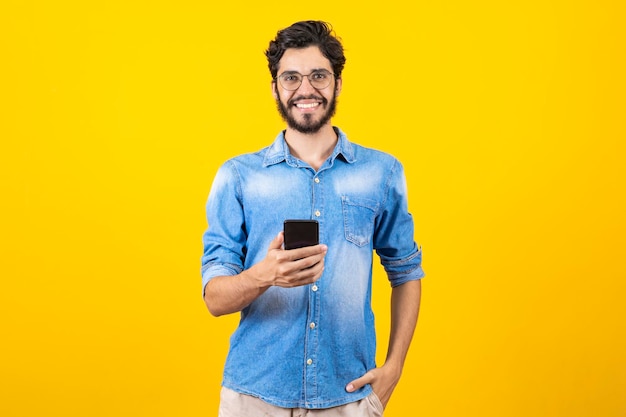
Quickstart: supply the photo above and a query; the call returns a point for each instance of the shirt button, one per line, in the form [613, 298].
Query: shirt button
[309, 361]
[317, 213]
[317, 180]
[314, 287]
[312, 325]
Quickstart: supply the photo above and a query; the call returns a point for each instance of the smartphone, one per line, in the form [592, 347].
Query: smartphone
[300, 233]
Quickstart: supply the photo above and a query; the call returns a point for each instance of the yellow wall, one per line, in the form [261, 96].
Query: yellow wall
[509, 118]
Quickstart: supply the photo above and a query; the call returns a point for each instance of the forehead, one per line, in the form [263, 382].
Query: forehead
[303, 60]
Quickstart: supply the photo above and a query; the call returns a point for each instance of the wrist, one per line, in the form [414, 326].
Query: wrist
[258, 277]
[394, 367]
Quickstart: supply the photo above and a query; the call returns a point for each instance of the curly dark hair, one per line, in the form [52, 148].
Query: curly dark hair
[302, 35]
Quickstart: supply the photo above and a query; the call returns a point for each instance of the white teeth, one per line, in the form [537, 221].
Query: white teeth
[307, 105]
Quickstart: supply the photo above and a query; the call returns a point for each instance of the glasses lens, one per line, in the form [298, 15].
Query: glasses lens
[320, 79]
[290, 80]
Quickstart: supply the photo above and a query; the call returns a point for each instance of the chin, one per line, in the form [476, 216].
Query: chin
[306, 125]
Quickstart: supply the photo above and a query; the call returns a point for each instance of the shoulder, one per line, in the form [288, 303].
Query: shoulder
[360, 154]
[371, 156]
[246, 160]
[269, 155]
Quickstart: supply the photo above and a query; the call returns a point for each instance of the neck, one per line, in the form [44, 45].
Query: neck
[312, 148]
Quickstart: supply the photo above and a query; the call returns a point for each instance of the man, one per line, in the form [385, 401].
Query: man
[306, 340]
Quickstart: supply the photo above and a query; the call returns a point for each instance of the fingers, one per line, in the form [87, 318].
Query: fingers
[307, 262]
[301, 272]
[295, 267]
[360, 382]
[307, 251]
[297, 259]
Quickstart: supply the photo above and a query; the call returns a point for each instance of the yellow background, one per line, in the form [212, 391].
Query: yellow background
[508, 116]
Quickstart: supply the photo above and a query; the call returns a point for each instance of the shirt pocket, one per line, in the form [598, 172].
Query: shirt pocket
[358, 219]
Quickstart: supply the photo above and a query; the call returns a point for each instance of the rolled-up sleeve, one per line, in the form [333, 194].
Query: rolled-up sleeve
[394, 234]
[224, 240]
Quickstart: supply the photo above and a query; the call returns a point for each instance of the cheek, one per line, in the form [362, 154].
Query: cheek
[285, 96]
[278, 93]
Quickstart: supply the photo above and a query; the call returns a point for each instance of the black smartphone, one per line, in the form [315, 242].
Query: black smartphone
[300, 233]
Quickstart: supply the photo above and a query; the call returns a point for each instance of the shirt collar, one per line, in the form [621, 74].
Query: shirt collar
[279, 151]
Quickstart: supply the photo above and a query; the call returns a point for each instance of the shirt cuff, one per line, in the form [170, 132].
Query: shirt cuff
[212, 271]
[404, 270]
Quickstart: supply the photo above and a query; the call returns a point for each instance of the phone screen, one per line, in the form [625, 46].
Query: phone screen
[300, 233]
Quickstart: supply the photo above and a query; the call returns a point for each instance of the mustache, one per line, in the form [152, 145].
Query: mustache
[291, 101]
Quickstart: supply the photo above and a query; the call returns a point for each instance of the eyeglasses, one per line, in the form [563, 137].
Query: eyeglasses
[319, 79]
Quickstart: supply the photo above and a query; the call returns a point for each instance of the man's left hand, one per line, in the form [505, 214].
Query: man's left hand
[383, 381]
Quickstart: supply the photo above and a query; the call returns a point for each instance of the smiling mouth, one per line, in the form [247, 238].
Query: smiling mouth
[307, 105]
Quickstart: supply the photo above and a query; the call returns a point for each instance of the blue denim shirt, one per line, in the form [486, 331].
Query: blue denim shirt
[299, 347]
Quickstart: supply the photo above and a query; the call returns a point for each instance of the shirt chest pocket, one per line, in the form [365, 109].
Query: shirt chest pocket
[359, 215]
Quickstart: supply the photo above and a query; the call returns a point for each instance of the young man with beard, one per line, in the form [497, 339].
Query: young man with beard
[306, 342]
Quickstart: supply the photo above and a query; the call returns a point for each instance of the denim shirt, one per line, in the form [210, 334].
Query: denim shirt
[300, 347]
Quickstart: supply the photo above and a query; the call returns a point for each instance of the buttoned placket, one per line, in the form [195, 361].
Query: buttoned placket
[312, 330]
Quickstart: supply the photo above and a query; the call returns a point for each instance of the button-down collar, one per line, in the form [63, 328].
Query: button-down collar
[279, 151]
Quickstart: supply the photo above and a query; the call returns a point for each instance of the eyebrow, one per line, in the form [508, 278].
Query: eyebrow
[312, 71]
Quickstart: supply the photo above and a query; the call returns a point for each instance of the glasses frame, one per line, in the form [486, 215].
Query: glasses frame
[278, 78]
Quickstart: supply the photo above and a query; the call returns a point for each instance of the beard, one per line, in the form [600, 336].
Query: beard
[308, 125]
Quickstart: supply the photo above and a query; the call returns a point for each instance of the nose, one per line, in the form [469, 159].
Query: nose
[306, 87]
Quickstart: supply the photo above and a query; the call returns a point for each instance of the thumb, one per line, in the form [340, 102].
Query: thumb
[359, 383]
[277, 242]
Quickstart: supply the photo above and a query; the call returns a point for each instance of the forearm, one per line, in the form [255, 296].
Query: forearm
[284, 268]
[230, 294]
[405, 304]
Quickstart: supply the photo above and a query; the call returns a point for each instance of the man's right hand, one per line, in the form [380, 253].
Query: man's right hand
[291, 268]
[280, 267]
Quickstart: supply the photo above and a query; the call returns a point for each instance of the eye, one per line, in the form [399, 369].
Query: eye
[320, 75]
[290, 78]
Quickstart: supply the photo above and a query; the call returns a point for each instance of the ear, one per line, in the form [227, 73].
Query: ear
[274, 91]
[338, 85]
